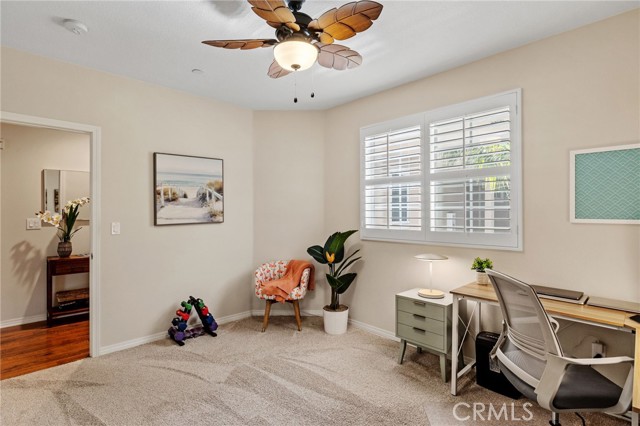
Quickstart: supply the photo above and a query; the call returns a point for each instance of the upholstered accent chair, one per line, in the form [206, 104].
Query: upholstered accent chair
[530, 356]
[275, 270]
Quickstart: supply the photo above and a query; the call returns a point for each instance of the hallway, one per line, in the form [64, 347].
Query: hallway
[32, 347]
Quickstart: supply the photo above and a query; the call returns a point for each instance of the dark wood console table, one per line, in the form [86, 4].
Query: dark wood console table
[63, 266]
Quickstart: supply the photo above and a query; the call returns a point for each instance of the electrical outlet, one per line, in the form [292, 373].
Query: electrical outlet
[598, 350]
[33, 223]
[115, 228]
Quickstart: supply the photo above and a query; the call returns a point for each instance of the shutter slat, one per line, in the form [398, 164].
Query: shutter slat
[393, 206]
[396, 153]
[479, 205]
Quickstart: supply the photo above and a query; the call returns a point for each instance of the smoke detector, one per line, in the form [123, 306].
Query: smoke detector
[76, 27]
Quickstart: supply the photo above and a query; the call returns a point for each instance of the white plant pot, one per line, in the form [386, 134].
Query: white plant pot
[335, 322]
[482, 278]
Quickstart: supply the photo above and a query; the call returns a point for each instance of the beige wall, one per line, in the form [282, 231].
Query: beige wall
[288, 191]
[27, 151]
[146, 271]
[580, 89]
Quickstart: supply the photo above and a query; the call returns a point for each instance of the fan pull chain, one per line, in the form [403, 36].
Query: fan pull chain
[313, 94]
[295, 87]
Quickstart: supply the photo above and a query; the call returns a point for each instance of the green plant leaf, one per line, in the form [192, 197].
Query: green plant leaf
[342, 283]
[317, 252]
[335, 244]
[339, 254]
[346, 262]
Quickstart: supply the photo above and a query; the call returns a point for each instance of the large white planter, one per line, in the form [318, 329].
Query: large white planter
[335, 322]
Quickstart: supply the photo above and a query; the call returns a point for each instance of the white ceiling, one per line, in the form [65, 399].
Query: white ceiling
[160, 42]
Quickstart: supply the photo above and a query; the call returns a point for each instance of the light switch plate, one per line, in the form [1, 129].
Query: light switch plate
[115, 228]
[33, 223]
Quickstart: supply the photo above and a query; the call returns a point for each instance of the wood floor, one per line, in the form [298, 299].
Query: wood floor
[32, 347]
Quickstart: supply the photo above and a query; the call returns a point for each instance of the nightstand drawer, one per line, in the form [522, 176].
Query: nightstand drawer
[421, 337]
[419, 307]
[421, 322]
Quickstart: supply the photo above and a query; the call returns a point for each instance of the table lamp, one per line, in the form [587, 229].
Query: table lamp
[430, 293]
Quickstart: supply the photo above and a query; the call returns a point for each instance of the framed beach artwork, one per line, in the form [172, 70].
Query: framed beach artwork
[187, 189]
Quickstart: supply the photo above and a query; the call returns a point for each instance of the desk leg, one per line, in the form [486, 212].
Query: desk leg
[635, 418]
[454, 345]
[403, 348]
[479, 308]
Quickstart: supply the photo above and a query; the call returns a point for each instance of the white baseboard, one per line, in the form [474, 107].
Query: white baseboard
[235, 317]
[161, 335]
[103, 350]
[374, 330]
[23, 320]
[283, 312]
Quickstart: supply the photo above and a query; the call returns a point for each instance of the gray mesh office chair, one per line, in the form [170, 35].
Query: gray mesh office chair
[530, 356]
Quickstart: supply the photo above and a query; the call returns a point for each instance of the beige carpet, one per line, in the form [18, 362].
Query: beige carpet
[245, 377]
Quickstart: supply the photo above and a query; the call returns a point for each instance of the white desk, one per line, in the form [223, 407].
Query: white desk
[601, 317]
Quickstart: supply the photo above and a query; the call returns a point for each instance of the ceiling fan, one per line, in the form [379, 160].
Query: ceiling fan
[301, 40]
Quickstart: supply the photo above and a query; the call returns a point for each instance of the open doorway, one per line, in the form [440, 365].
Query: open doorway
[33, 148]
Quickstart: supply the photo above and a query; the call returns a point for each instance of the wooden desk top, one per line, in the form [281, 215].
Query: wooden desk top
[605, 316]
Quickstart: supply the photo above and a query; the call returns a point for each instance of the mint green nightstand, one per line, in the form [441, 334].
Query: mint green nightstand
[425, 324]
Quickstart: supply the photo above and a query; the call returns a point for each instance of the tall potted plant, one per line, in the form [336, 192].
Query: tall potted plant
[333, 254]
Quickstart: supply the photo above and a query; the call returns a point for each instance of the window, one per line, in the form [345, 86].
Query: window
[448, 176]
[392, 166]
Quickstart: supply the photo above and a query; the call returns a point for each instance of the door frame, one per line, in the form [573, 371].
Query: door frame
[94, 275]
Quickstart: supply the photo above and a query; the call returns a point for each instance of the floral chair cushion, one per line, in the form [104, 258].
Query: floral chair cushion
[274, 270]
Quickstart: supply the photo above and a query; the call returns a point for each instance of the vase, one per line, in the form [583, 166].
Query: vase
[64, 248]
[335, 322]
[482, 278]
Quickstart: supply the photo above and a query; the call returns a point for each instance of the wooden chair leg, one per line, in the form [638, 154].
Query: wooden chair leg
[267, 311]
[296, 309]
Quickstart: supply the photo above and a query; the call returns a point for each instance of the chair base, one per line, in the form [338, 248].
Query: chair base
[267, 312]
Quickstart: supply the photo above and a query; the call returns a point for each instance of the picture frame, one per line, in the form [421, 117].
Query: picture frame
[605, 185]
[187, 189]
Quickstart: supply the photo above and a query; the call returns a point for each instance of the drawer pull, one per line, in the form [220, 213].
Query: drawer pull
[415, 302]
[422, 317]
[419, 330]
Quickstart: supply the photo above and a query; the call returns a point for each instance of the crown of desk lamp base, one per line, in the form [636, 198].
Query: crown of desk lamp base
[430, 293]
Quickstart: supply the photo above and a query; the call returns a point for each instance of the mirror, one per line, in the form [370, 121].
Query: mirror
[60, 186]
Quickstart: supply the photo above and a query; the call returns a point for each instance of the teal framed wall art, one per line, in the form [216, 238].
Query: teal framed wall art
[605, 185]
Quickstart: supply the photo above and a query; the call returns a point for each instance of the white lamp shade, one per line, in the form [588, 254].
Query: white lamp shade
[295, 55]
[428, 257]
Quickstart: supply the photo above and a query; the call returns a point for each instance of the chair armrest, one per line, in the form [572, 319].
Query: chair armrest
[555, 370]
[599, 361]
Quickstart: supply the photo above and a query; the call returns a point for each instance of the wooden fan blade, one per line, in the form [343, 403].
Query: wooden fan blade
[242, 44]
[276, 71]
[338, 57]
[325, 38]
[275, 12]
[348, 19]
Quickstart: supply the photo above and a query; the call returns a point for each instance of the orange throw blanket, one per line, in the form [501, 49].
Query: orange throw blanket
[281, 288]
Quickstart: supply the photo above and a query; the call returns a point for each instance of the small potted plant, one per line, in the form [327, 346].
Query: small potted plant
[336, 315]
[480, 265]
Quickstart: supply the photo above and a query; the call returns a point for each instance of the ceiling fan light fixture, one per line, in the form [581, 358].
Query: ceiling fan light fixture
[295, 55]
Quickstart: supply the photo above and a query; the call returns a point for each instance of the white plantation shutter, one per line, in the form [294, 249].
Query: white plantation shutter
[452, 176]
[392, 172]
